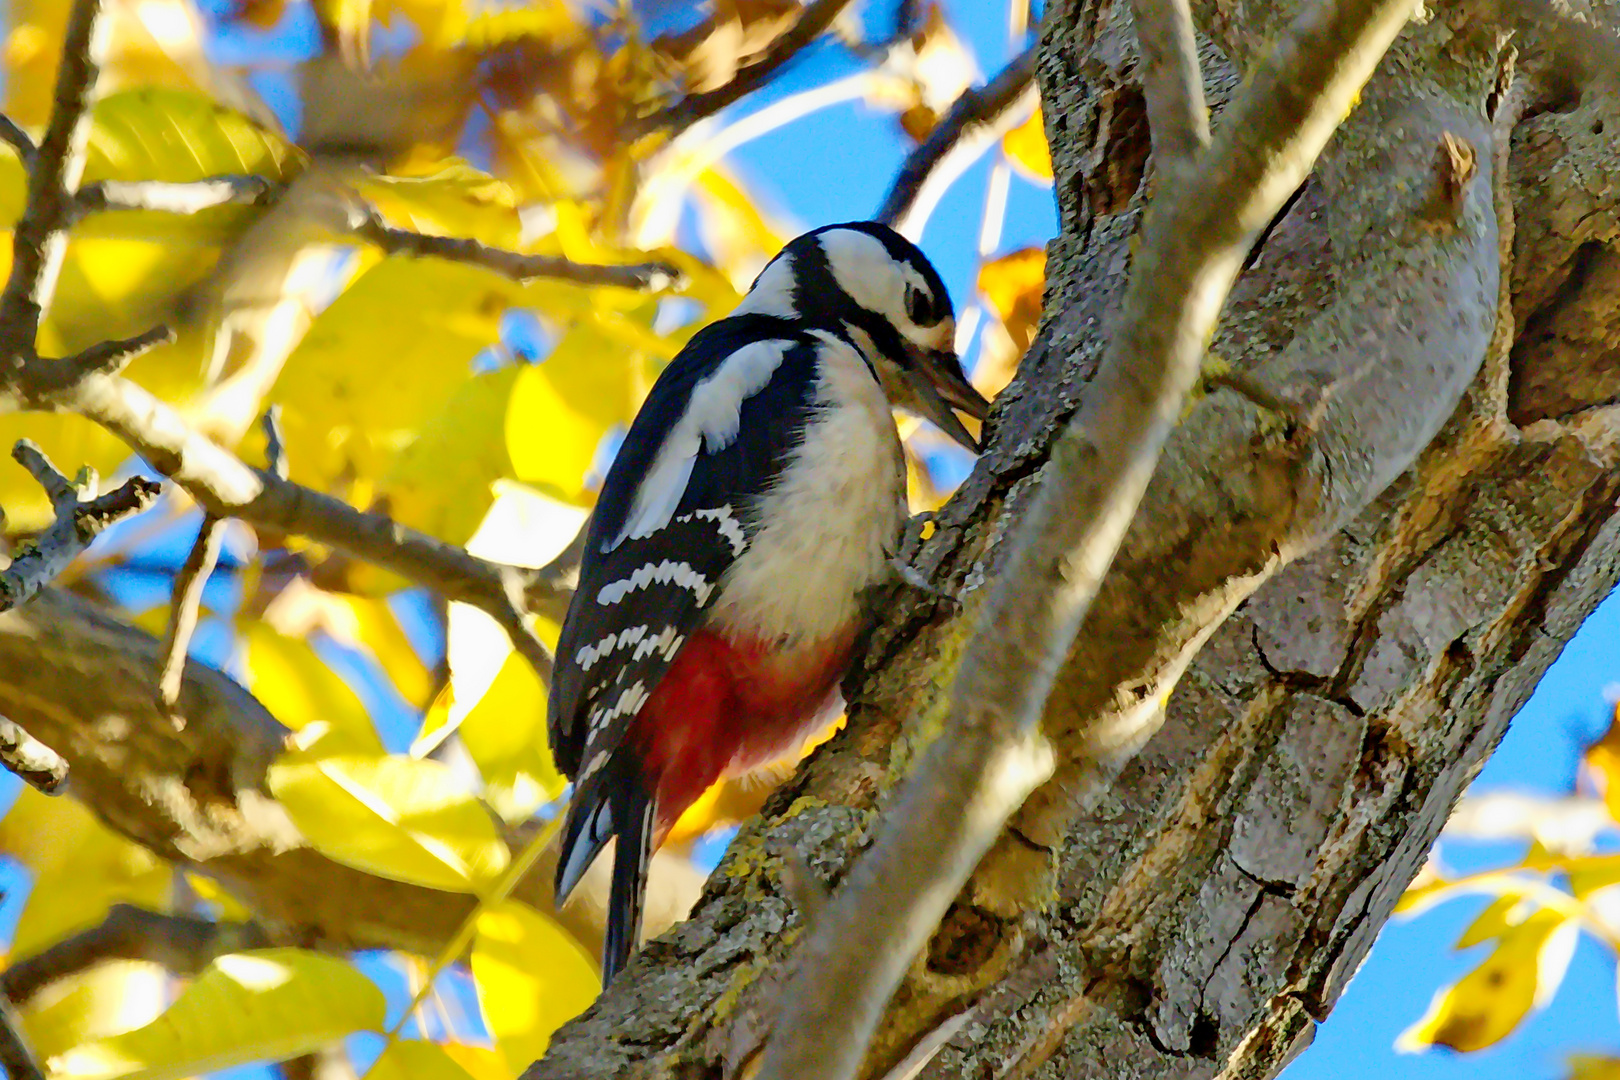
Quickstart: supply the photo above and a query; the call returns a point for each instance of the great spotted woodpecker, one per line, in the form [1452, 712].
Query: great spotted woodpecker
[758, 494]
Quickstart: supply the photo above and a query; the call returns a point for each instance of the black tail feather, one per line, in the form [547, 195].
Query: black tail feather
[612, 802]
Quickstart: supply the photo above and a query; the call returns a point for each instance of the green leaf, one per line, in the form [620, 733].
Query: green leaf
[267, 1005]
[393, 816]
[531, 977]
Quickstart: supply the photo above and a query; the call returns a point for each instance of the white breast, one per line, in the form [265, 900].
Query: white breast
[830, 522]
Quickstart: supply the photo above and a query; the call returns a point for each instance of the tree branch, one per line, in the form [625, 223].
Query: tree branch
[172, 198]
[990, 752]
[512, 264]
[814, 20]
[77, 523]
[36, 764]
[41, 233]
[1172, 81]
[187, 601]
[981, 115]
[183, 944]
[15, 1056]
[19, 139]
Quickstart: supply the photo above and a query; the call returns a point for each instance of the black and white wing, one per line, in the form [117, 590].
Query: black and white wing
[716, 431]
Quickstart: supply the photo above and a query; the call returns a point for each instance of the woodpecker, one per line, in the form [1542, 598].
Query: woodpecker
[758, 495]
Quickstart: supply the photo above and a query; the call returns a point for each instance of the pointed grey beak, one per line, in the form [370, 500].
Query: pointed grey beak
[941, 388]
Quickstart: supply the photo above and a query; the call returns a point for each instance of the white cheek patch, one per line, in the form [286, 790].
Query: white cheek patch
[864, 269]
[710, 423]
[772, 292]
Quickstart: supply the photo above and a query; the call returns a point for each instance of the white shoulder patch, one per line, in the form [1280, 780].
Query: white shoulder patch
[710, 422]
[772, 291]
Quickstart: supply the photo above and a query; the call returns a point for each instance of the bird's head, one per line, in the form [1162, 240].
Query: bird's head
[875, 289]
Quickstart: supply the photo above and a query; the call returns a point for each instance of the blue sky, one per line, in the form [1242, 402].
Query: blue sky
[836, 165]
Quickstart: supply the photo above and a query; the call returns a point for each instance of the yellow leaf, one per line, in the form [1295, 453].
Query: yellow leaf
[505, 733]
[1499, 916]
[1589, 873]
[267, 1005]
[1013, 285]
[381, 360]
[1025, 146]
[1593, 1067]
[442, 481]
[300, 689]
[481, 1062]
[562, 407]
[107, 999]
[1603, 760]
[80, 869]
[532, 978]
[393, 816]
[415, 1059]
[454, 200]
[148, 44]
[380, 634]
[1489, 1002]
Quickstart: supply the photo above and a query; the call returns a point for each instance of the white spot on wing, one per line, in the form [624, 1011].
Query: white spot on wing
[590, 654]
[663, 573]
[710, 422]
[726, 522]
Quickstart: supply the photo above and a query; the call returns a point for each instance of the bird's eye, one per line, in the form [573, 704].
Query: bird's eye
[917, 306]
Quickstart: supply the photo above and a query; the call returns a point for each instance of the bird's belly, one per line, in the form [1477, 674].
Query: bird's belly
[727, 706]
[826, 530]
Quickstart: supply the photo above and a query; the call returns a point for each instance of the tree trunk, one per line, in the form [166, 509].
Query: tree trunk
[1366, 541]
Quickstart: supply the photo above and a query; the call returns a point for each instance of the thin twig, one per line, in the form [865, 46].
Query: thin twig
[225, 486]
[813, 21]
[77, 523]
[36, 764]
[19, 139]
[183, 944]
[172, 198]
[41, 233]
[15, 1055]
[512, 264]
[183, 608]
[275, 446]
[1173, 83]
[991, 753]
[973, 120]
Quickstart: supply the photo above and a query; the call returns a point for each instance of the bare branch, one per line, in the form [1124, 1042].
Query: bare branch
[184, 944]
[981, 115]
[15, 1056]
[19, 139]
[814, 20]
[512, 264]
[36, 764]
[1173, 83]
[225, 486]
[77, 524]
[41, 234]
[111, 357]
[187, 601]
[175, 198]
[275, 447]
[991, 752]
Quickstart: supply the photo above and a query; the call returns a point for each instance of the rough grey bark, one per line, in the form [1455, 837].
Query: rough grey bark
[1200, 915]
